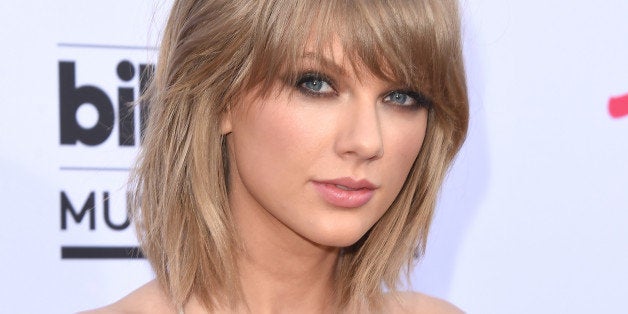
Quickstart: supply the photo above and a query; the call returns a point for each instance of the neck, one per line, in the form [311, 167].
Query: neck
[280, 271]
[279, 280]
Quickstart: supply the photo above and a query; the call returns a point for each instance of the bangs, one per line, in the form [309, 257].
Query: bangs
[397, 41]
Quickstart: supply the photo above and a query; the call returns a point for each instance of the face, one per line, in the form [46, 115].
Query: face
[324, 157]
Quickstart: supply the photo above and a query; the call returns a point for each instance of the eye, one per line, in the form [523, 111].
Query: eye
[407, 99]
[315, 84]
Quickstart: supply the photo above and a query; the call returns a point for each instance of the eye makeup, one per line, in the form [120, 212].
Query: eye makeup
[408, 99]
[317, 84]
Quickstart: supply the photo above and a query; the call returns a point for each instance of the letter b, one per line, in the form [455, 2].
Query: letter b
[71, 98]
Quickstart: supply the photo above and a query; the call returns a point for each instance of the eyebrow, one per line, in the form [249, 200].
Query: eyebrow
[326, 63]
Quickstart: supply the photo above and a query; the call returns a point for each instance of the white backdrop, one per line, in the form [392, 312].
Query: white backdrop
[532, 219]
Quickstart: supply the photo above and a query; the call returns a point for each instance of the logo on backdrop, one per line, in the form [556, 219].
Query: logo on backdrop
[99, 125]
[73, 97]
[618, 106]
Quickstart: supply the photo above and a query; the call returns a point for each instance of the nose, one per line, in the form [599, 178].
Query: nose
[360, 132]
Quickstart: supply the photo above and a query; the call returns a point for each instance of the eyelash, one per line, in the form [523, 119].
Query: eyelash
[312, 76]
[419, 99]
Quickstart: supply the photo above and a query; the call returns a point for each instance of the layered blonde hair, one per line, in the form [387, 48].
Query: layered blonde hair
[214, 52]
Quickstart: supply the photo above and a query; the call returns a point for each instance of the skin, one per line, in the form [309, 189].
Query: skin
[150, 299]
[279, 147]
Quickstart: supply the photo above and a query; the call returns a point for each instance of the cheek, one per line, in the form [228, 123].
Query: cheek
[276, 142]
[259, 144]
[403, 143]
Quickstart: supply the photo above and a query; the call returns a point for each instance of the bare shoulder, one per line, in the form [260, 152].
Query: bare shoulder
[149, 298]
[417, 303]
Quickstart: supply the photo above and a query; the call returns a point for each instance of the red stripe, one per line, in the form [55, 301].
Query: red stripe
[618, 106]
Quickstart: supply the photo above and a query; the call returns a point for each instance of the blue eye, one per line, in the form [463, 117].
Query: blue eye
[315, 84]
[406, 99]
[399, 98]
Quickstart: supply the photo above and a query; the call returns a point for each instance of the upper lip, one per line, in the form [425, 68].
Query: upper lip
[350, 183]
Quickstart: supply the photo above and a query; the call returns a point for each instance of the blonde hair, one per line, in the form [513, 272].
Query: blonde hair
[212, 53]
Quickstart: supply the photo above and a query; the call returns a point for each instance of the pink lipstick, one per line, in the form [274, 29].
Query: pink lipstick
[345, 192]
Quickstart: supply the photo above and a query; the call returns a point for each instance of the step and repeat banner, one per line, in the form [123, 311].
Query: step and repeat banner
[533, 217]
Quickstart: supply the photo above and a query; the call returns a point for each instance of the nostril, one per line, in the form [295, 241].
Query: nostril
[361, 146]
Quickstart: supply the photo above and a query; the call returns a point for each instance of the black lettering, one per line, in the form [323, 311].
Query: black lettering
[108, 221]
[146, 75]
[71, 98]
[88, 207]
[126, 114]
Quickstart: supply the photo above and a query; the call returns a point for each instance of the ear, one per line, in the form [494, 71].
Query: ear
[226, 125]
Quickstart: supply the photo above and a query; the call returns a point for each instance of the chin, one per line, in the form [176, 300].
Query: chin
[338, 243]
[337, 236]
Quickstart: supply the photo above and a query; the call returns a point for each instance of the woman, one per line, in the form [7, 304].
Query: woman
[294, 153]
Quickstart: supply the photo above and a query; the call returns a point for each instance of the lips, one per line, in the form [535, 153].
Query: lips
[345, 192]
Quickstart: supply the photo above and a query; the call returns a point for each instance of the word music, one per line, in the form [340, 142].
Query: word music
[88, 209]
